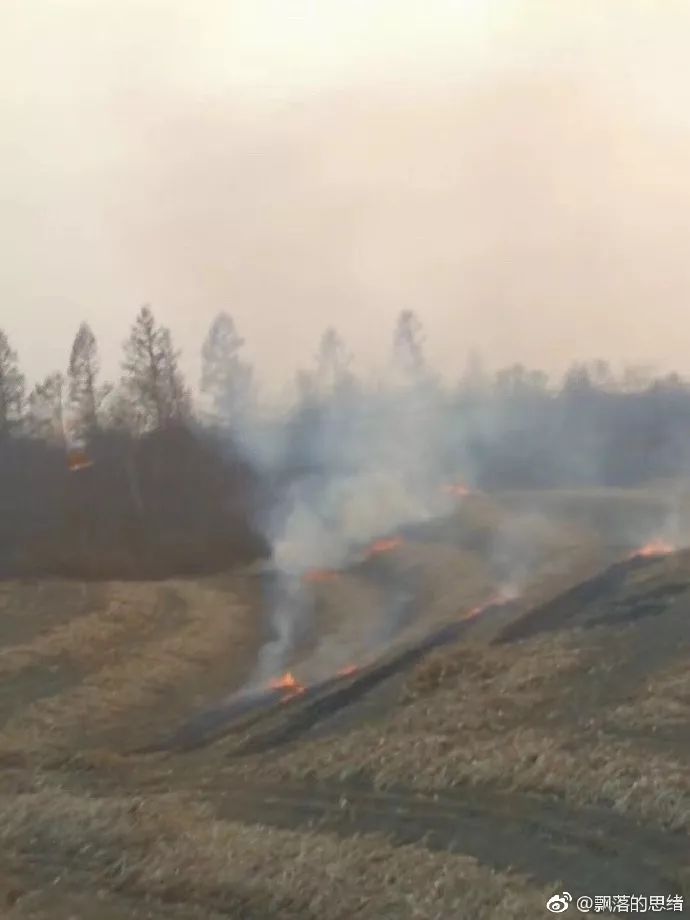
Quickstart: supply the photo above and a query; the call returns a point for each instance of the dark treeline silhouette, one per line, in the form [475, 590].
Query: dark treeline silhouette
[593, 429]
[99, 480]
[133, 479]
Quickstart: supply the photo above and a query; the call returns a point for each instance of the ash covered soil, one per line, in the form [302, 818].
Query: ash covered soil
[545, 748]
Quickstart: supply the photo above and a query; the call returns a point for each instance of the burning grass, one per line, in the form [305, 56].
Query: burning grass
[457, 489]
[347, 671]
[172, 849]
[321, 576]
[383, 546]
[448, 581]
[501, 717]
[654, 548]
[287, 683]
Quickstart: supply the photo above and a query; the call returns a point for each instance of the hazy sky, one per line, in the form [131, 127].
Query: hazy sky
[514, 170]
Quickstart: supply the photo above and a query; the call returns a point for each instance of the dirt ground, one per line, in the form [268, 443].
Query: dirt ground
[546, 749]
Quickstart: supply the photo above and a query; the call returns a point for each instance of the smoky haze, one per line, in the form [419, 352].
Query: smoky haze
[509, 179]
[518, 179]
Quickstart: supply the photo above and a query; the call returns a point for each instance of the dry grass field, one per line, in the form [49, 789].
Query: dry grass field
[546, 749]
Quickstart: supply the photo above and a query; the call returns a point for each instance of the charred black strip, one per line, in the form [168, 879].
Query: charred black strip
[211, 724]
[313, 704]
[558, 612]
[330, 697]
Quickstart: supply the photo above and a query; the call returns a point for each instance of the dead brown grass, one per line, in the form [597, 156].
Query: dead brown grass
[130, 614]
[492, 674]
[105, 696]
[490, 716]
[173, 849]
[65, 900]
[663, 701]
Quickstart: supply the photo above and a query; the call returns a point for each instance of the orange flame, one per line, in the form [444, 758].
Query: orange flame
[384, 546]
[475, 611]
[345, 672]
[500, 598]
[653, 548]
[78, 460]
[458, 489]
[289, 683]
[317, 576]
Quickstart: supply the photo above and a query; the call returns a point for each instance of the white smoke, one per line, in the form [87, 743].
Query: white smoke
[368, 462]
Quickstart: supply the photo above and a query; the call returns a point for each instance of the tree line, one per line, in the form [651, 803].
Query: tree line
[151, 395]
[154, 491]
[171, 483]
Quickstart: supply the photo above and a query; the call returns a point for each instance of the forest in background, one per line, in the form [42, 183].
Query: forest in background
[140, 478]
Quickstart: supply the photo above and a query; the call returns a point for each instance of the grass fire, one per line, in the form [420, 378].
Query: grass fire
[321, 576]
[457, 489]
[288, 683]
[344, 459]
[654, 548]
[383, 546]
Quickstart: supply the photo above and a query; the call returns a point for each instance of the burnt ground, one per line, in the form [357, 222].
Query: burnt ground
[472, 768]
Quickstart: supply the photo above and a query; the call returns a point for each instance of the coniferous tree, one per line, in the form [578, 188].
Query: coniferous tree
[152, 380]
[226, 379]
[331, 375]
[46, 409]
[85, 394]
[408, 346]
[332, 363]
[178, 400]
[12, 386]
